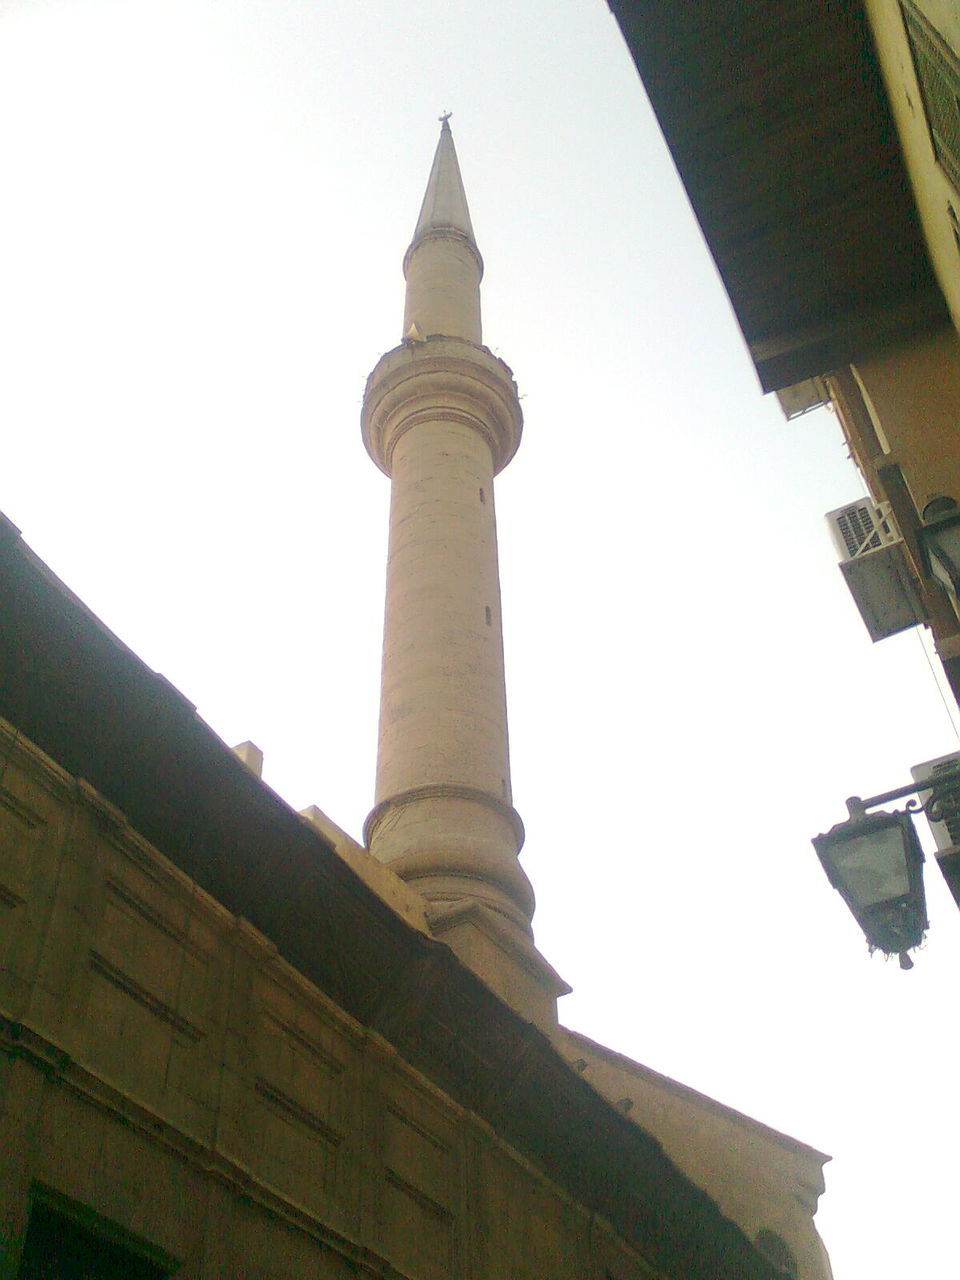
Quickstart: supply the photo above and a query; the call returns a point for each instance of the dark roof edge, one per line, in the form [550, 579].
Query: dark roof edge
[88, 702]
[842, 267]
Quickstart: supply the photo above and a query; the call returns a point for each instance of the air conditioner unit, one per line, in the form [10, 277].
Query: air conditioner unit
[803, 396]
[946, 830]
[874, 563]
[860, 527]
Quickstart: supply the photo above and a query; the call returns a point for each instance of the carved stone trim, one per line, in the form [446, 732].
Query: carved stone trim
[24, 754]
[130, 987]
[297, 1111]
[442, 233]
[317, 1051]
[154, 917]
[419, 1197]
[441, 378]
[442, 791]
[19, 810]
[407, 1119]
[10, 899]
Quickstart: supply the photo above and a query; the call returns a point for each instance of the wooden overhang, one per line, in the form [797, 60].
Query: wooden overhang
[68, 684]
[778, 123]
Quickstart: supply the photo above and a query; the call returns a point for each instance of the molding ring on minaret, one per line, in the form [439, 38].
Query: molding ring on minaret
[442, 233]
[443, 791]
[441, 378]
[441, 414]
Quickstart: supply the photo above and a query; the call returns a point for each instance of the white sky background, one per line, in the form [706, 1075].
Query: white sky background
[206, 206]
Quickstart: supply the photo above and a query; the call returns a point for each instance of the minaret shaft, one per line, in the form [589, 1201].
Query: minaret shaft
[443, 273]
[443, 707]
[441, 417]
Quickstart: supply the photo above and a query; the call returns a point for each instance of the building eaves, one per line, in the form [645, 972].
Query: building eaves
[780, 129]
[68, 684]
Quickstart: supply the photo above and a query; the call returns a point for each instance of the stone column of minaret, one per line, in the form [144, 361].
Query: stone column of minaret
[441, 417]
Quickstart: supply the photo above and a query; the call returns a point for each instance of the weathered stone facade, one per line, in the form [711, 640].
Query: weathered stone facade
[164, 1066]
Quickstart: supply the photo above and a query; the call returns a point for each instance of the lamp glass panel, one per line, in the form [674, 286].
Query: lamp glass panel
[873, 868]
[943, 544]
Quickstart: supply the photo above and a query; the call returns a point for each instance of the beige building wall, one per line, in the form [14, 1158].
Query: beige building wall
[900, 408]
[164, 1068]
[767, 1183]
[937, 199]
[900, 414]
[912, 392]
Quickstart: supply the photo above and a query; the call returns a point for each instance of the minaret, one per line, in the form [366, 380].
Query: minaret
[441, 417]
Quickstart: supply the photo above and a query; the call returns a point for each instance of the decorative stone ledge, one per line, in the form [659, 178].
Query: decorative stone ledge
[441, 379]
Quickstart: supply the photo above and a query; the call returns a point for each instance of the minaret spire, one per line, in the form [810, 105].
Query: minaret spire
[443, 267]
[441, 417]
[444, 205]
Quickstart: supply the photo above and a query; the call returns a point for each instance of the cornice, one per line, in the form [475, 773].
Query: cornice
[441, 379]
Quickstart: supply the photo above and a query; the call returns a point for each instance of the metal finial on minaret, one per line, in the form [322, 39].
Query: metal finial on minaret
[441, 417]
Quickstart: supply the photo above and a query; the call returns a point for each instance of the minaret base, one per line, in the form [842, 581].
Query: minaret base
[451, 842]
[457, 848]
[502, 956]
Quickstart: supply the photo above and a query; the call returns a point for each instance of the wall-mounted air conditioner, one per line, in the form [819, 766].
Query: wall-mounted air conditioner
[946, 830]
[812, 393]
[859, 527]
[874, 563]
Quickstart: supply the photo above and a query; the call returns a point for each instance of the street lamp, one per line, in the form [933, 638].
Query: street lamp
[874, 860]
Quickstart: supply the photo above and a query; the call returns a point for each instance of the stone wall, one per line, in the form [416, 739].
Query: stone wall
[165, 1070]
[767, 1183]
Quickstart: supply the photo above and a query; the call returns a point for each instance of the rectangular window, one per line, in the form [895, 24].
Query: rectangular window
[938, 72]
[64, 1242]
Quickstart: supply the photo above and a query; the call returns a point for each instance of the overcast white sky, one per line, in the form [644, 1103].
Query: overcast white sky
[206, 206]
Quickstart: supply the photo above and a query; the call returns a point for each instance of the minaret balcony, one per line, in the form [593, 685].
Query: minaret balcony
[445, 379]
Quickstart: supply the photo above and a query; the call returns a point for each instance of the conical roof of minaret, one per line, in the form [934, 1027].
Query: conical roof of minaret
[444, 205]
